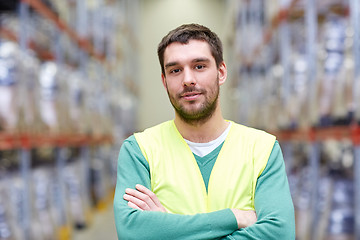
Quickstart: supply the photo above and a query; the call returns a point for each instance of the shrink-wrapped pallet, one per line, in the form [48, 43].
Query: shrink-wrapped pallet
[53, 99]
[9, 87]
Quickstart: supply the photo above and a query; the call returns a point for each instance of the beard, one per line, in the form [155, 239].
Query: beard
[196, 115]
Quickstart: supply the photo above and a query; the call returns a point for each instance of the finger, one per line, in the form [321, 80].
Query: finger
[132, 205]
[137, 194]
[149, 193]
[138, 202]
[152, 195]
[142, 196]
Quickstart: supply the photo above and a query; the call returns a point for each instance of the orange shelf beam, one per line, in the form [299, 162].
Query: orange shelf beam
[10, 141]
[321, 134]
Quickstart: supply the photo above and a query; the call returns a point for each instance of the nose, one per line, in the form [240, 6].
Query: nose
[189, 78]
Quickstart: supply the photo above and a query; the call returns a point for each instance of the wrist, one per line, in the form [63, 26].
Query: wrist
[244, 218]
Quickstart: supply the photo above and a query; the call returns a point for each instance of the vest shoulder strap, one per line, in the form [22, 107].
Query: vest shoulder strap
[152, 137]
[262, 143]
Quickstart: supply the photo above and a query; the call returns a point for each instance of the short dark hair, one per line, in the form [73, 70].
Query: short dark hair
[186, 32]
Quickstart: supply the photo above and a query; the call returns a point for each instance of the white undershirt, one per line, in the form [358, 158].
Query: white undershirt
[203, 149]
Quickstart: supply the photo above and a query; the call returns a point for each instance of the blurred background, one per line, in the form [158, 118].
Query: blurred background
[79, 76]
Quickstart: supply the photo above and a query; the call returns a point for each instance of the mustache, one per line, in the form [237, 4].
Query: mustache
[191, 89]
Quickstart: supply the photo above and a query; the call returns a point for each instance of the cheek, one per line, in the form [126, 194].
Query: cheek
[211, 81]
[174, 84]
[171, 88]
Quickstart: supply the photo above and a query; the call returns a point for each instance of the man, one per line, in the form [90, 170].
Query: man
[200, 176]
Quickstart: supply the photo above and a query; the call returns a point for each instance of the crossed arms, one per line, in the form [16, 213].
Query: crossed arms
[143, 199]
[147, 220]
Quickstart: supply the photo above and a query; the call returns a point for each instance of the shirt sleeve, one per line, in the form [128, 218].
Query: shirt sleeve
[273, 204]
[135, 224]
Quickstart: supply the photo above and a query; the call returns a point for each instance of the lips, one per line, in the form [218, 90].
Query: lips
[190, 96]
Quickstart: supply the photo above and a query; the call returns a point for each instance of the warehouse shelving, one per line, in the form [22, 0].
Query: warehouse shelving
[10, 35]
[280, 16]
[47, 13]
[311, 133]
[89, 151]
[8, 140]
[82, 42]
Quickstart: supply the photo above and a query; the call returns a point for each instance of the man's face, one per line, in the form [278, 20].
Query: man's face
[192, 79]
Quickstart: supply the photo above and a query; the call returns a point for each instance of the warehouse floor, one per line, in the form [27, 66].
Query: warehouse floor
[102, 227]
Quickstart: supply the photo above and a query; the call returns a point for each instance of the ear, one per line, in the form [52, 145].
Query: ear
[222, 73]
[163, 79]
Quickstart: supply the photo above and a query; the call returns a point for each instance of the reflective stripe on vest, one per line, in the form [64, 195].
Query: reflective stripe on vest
[176, 178]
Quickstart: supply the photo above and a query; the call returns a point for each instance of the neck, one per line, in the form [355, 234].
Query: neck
[204, 131]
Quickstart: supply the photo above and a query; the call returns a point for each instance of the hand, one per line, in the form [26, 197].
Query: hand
[244, 218]
[143, 199]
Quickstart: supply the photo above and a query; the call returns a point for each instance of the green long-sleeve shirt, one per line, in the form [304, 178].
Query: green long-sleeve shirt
[273, 204]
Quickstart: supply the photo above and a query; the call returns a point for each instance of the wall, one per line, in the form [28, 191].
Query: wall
[157, 18]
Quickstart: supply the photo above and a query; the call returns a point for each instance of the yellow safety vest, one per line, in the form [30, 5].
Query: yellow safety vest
[176, 178]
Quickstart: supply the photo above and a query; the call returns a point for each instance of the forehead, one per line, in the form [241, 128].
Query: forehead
[177, 52]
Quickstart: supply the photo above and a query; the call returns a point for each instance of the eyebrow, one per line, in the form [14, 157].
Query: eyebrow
[196, 60]
[170, 64]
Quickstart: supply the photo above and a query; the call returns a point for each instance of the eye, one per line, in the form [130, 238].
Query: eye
[175, 70]
[199, 67]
